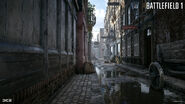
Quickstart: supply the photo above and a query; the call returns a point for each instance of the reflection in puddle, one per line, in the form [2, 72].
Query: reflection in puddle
[119, 88]
[144, 88]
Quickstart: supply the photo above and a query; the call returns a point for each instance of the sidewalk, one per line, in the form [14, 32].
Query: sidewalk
[171, 82]
[82, 89]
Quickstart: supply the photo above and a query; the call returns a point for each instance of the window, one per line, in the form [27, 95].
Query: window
[129, 46]
[137, 14]
[136, 44]
[123, 19]
[118, 48]
[149, 32]
[129, 21]
[135, 8]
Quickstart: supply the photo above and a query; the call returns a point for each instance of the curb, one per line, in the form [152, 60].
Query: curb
[171, 82]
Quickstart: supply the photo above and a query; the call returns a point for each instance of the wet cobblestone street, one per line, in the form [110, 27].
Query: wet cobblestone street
[121, 86]
[82, 89]
[114, 85]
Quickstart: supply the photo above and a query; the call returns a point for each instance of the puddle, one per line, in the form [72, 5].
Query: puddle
[120, 88]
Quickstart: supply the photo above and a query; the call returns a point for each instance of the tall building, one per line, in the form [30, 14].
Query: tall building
[113, 31]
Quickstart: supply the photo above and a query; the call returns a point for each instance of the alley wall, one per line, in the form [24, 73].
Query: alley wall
[37, 48]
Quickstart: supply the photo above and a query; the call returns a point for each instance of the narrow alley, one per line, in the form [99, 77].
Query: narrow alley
[82, 89]
[92, 52]
[114, 85]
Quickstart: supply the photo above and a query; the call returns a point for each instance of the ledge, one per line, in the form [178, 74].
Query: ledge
[12, 48]
[53, 51]
[175, 60]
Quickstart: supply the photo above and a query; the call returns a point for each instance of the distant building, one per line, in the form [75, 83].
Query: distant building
[98, 37]
[113, 31]
[95, 50]
[102, 43]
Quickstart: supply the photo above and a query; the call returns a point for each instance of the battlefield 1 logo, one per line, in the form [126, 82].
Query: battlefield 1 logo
[164, 5]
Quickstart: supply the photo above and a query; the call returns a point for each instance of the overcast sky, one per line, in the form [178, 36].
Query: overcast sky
[100, 6]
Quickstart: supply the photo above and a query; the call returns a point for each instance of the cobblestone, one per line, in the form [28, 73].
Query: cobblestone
[82, 89]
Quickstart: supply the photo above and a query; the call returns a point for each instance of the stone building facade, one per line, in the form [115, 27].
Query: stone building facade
[41, 41]
[145, 36]
[113, 27]
[158, 36]
[131, 46]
